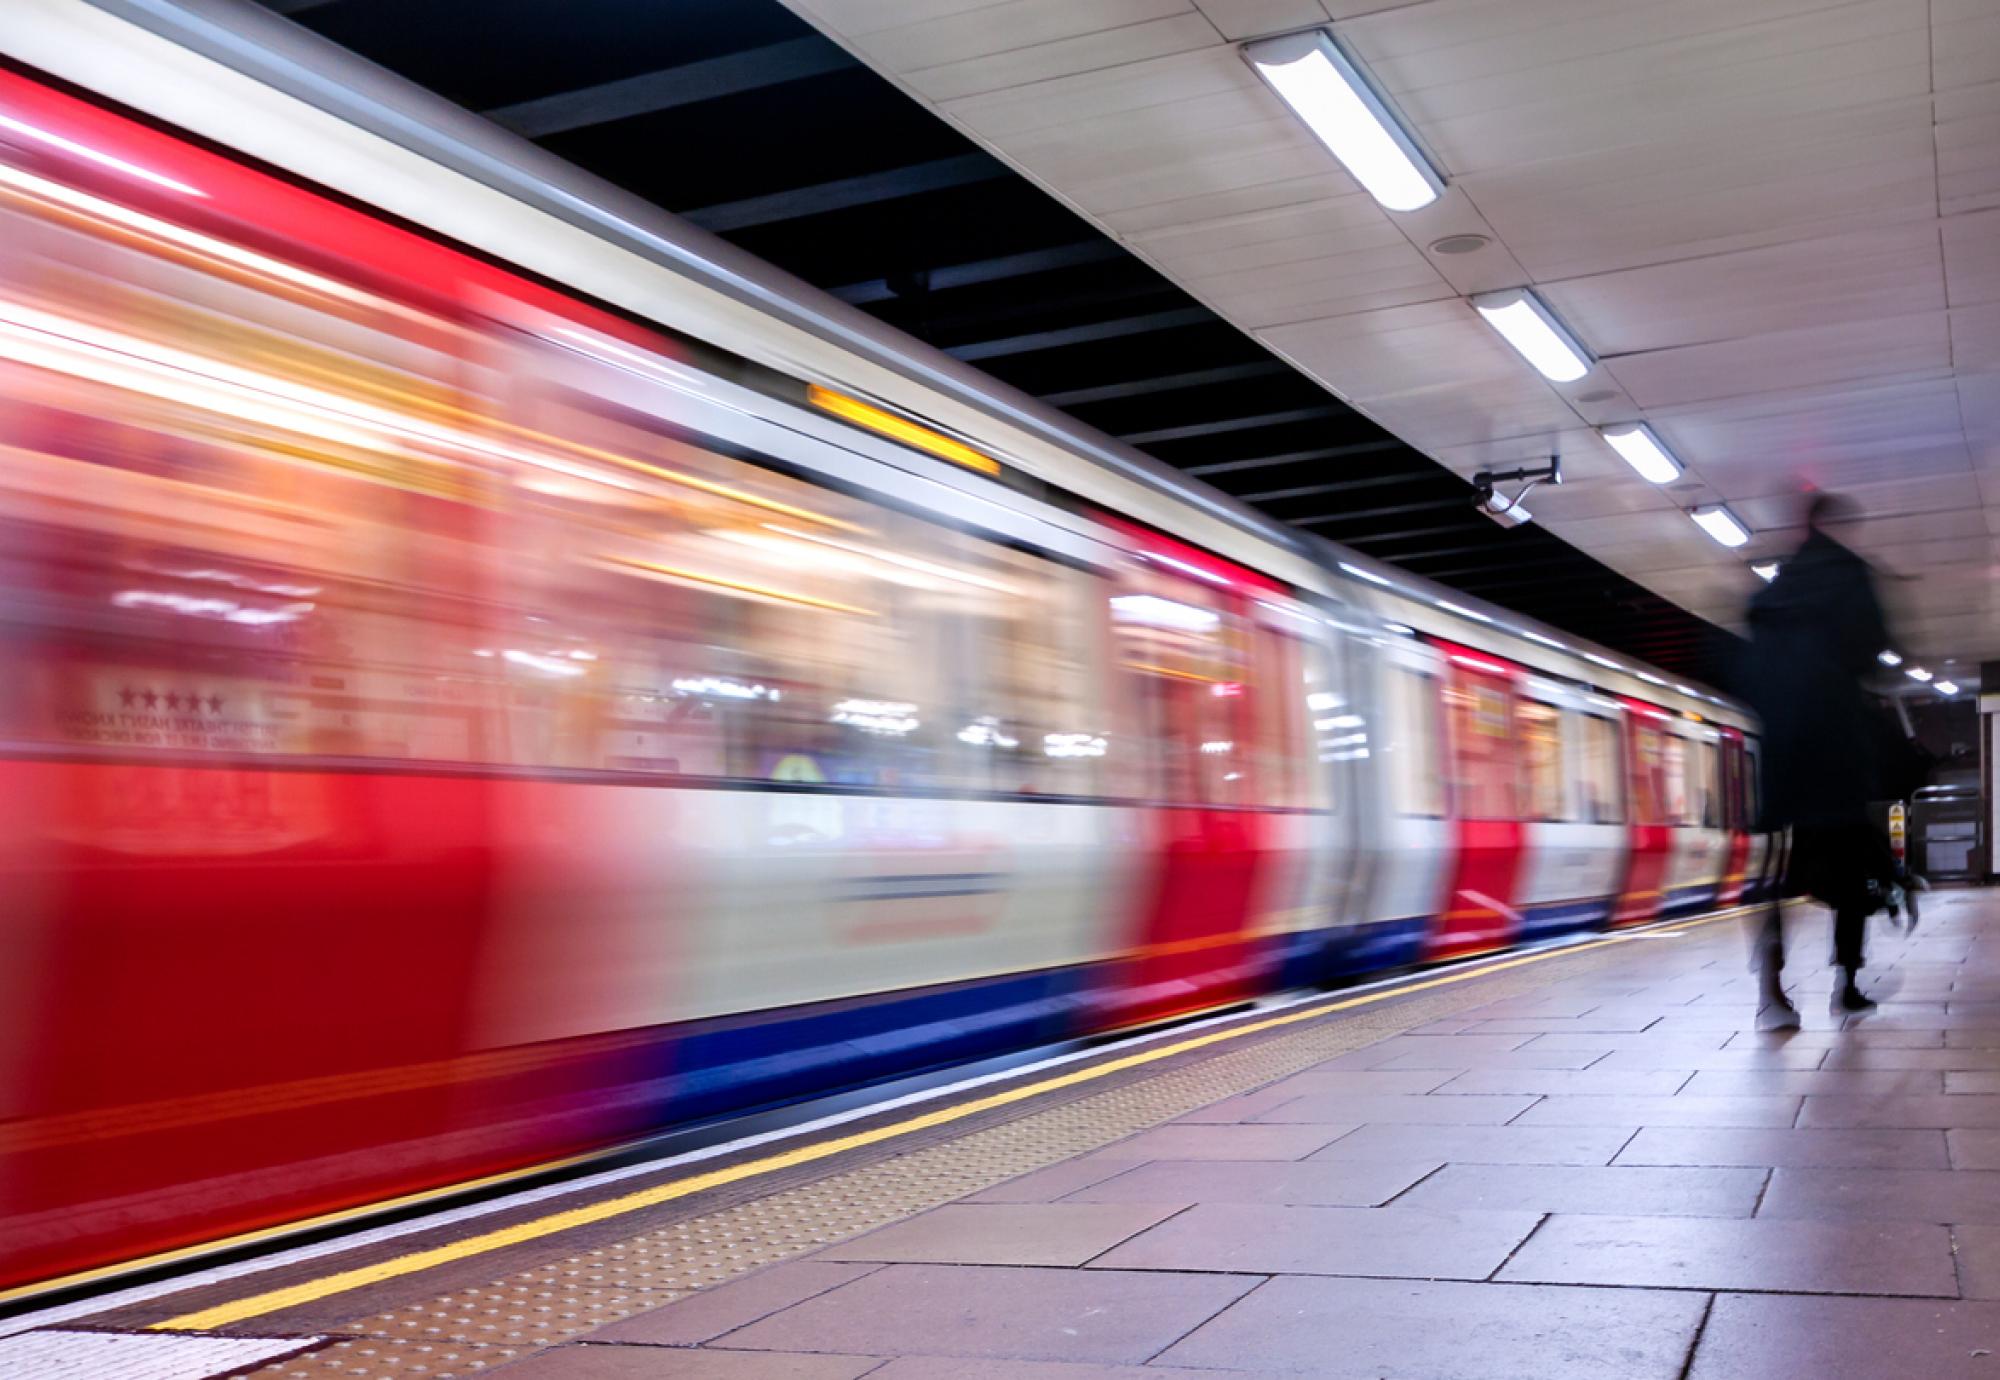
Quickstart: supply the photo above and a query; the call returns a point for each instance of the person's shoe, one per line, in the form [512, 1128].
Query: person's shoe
[1778, 1014]
[1850, 1000]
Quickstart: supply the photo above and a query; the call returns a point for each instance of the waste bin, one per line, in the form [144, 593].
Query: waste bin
[1944, 832]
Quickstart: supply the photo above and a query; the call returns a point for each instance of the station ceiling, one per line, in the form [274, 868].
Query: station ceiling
[745, 119]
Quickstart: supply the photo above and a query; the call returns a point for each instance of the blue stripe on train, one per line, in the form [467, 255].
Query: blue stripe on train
[1562, 917]
[1684, 900]
[1355, 949]
[785, 1056]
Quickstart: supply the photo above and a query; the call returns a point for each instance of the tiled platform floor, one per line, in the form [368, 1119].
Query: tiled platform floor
[1616, 1178]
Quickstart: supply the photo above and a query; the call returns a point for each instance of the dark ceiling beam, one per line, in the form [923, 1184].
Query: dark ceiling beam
[1293, 457]
[1221, 426]
[948, 276]
[1365, 540]
[1164, 383]
[1432, 505]
[1380, 481]
[839, 195]
[1081, 335]
[669, 87]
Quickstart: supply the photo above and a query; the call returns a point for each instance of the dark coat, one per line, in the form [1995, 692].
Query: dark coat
[1815, 631]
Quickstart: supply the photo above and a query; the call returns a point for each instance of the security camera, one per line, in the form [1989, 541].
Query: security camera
[1511, 512]
[1508, 512]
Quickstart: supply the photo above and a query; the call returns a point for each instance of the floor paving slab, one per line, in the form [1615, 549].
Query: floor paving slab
[1327, 1183]
[1482, 1144]
[1978, 1247]
[1225, 1142]
[1943, 1110]
[1816, 1082]
[1679, 1110]
[1100, 1316]
[712, 1312]
[1527, 1057]
[1047, 1185]
[1759, 1254]
[1591, 1082]
[1362, 1329]
[1752, 1337]
[1357, 1109]
[1617, 1190]
[1974, 1149]
[1850, 1149]
[1065, 1233]
[1903, 1195]
[1256, 1239]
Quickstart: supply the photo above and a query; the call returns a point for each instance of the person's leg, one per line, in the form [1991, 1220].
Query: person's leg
[1774, 1009]
[1850, 923]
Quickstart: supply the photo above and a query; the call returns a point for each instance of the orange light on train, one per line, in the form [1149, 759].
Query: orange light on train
[900, 429]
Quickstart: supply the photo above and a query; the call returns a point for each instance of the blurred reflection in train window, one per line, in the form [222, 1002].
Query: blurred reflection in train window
[1180, 645]
[740, 622]
[1414, 735]
[257, 513]
[1539, 727]
[1603, 777]
[1649, 784]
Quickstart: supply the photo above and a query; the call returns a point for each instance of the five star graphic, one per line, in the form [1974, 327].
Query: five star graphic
[175, 699]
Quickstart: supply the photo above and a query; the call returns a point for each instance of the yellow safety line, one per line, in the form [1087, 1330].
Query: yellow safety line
[291, 1296]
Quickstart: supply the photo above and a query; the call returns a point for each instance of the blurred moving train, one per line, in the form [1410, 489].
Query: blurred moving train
[452, 723]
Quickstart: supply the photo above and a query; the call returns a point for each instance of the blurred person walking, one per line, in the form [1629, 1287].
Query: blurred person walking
[1815, 631]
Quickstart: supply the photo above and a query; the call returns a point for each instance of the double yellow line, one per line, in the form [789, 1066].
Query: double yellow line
[342, 1281]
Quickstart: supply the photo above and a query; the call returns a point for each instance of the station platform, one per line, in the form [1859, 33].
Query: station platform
[1575, 1162]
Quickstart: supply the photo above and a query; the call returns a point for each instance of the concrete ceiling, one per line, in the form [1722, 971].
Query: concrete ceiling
[1777, 222]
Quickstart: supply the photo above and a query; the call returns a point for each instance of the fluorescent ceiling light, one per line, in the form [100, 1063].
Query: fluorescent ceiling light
[1327, 91]
[1764, 570]
[1721, 524]
[1529, 327]
[1946, 687]
[1642, 451]
[1601, 660]
[1889, 658]
[1918, 673]
[1544, 639]
[1360, 574]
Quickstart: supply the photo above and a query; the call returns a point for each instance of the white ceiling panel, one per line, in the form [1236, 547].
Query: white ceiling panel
[1677, 199]
[1236, 19]
[1088, 52]
[1965, 41]
[990, 31]
[1784, 360]
[1968, 148]
[1972, 258]
[1775, 222]
[1563, 78]
[1719, 297]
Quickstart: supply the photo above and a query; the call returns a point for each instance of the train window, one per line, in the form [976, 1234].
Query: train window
[1602, 778]
[1283, 761]
[1181, 647]
[1649, 784]
[456, 543]
[1411, 746]
[1484, 784]
[1539, 727]
[1705, 788]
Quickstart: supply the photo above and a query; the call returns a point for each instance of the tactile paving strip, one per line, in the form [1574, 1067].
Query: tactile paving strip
[471, 1329]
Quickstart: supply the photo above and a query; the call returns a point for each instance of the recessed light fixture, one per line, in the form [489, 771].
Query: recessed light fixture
[1534, 332]
[1764, 570]
[1642, 450]
[1945, 687]
[1918, 673]
[1325, 89]
[1721, 524]
[1889, 658]
[1460, 244]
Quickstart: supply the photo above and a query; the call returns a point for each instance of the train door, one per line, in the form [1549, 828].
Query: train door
[1700, 844]
[1212, 779]
[1405, 836]
[1647, 830]
[1485, 771]
[1574, 842]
